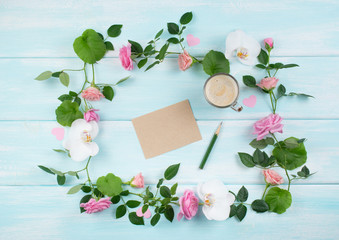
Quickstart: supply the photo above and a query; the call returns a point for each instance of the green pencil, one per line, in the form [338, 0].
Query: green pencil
[210, 146]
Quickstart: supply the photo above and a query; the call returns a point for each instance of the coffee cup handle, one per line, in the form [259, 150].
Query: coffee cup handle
[236, 107]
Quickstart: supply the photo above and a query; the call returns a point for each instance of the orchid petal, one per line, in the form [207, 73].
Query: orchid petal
[233, 42]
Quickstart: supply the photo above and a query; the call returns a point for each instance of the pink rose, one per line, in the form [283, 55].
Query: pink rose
[272, 177]
[269, 124]
[188, 205]
[125, 57]
[92, 94]
[184, 60]
[268, 83]
[138, 181]
[269, 42]
[90, 115]
[93, 206]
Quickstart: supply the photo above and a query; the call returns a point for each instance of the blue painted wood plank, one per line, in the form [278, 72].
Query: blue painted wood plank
[22, 98]
[48, 213]
[24, 145]
[47, 28]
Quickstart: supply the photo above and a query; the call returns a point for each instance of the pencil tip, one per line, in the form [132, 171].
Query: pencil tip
[218, 130]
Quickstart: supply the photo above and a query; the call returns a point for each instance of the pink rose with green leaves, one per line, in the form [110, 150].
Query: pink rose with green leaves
[185, 61]
[272, 177]
[125, 57]
[268, 83]
[92, 94]
[269, 42]
[189, 204]
[93, 205]
[267, 125]
[138, 181]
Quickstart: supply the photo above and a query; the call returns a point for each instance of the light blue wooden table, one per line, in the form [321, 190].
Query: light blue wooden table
[37, 35]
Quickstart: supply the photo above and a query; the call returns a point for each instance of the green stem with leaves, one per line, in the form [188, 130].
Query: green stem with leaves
[267, 186]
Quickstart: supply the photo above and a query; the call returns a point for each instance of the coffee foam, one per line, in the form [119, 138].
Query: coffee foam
[221, 90]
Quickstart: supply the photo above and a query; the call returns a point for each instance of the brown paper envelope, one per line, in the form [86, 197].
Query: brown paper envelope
[166, 129]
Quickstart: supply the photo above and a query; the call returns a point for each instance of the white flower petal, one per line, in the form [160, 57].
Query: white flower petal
[94, 129]
[230, 198]
[251, 45]
[93, 148]
[206, 210]
[80, 151]
[214, 187]
[233, 42]
[250, 60]
[219, 211]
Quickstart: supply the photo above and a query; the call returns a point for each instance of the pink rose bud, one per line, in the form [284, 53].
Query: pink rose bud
[268, 83]
[189, 204]
[90, 115]
[185, 61]
[92, 94]
[93, 205]
[138, 181]
[125, 57]
[268, 43]
[272, 177]
[267, 125]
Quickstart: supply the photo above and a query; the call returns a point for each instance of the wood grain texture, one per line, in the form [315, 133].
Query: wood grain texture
[37, 35]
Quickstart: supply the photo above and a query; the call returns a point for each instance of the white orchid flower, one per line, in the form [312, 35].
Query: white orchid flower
[79, 140]
[243, 46]
[217, 200]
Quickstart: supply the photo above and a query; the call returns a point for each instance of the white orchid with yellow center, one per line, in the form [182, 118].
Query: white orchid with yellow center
[80, 140]
[217, 200]
[243, 46]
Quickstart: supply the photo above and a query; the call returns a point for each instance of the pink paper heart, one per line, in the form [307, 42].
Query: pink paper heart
[58, 133]
[191, 40]
[147, 214]
[250, 101]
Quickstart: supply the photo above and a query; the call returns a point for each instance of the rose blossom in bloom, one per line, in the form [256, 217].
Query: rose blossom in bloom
[268, 83]
[92, 94]
[93, 206]
[90, 115]
[138, 181]
[189, 204]
[272, 177]
[125, 57]
[185, 61]
[269, 42]
[269, 124]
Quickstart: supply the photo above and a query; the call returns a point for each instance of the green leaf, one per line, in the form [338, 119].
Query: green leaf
[84, 199]
[64, 97]
[186, 18]
[73, 94]
[174, 189]
[291, 143]
[56, 74]
[44, 76]
[162, 52]
[135, 219]
[135, 47]
[263, 57]
[259, 206]
[152, 65]
[57, 172]
[215, 62]
[122, 80]
[278, 200]
[171, 171]
[233, 210]
[132, 203]
[169, 213]
[61, 180]
[281, 91]
[71, 173]
[67, 112]
[155, 219]
[278, 65]
[86, 189]
[98, 193]
[142, 62]
[299, 94]
[109, 46]
[172, 28]
[290, 65]
[241, 212]
[124, 193]
[64, 78]
[173, 40]
[77, 100]
[246, 159]
[101, 36]
[290, 158]
[89, 47]
[269, 141]
[75, 189]
[109, 185]
[165, 192]
[305, 170]
[43, 168]
[108, 92]
[159, 34]
[261, 144]
[249, 81]
[258, 156]
[114, 30]
[144, 208]
[115, 199]
[121, 211]
[262, 66]
[161, 180]
[242, 194]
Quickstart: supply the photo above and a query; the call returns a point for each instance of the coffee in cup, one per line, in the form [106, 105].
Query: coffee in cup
[222, 90]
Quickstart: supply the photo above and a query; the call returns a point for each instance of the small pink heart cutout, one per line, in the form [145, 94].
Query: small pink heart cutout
[58, 133]
[250, 101]
[191, 40]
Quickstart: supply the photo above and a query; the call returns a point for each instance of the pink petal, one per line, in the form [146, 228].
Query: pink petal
[139, 212]
[147, 214]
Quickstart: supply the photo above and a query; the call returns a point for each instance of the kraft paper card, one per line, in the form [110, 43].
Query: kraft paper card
[166, 129]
